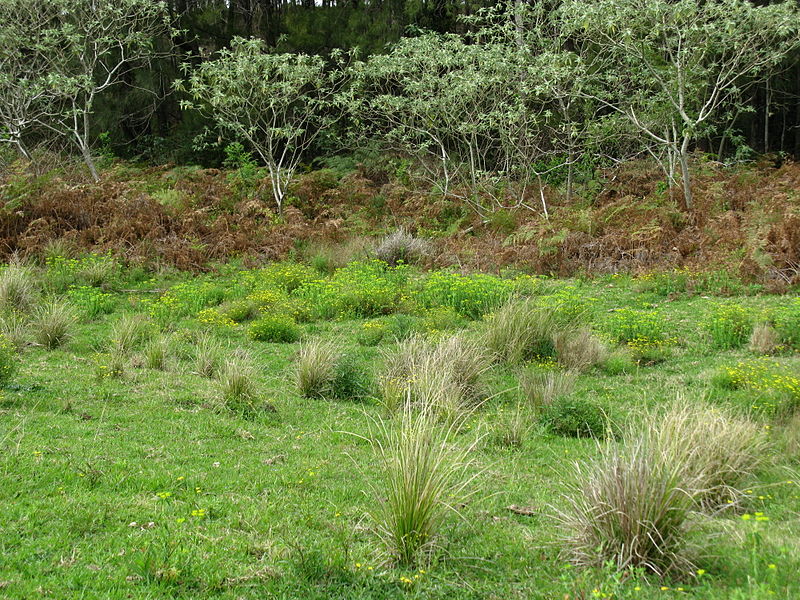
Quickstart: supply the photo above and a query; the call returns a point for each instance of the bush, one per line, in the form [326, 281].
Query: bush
[52, 324]
[729, 326]
[402, 247]
[18, 288]
[423, 476]
[279, 329]
[628, 325]
[777, 388]
[579, 349]
[239, 310]
[8, 360]
[573, 417]
[361, 289]
[90, 301]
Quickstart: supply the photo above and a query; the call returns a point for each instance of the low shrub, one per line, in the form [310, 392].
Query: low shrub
[574, 417]
[52, 324]
[628, 325]
[279, 329]
[471, 296]
[728, 325]
[402, 247]
[91, 302]
[776, 387]
[361, 289]
[239, 310]
[787, 323]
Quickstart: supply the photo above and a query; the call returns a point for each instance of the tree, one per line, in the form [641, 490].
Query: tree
[278, 103]
[94, 45]
[25, 97]
[668, 67]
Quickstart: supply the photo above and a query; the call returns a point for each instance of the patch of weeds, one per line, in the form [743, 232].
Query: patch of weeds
[279, 329]
[574, 417]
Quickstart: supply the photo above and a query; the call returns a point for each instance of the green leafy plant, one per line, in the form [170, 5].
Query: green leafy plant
[279, 329]
[574, 417]
[729, 326]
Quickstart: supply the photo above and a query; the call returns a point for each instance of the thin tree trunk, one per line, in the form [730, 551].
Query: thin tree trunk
[687, 186]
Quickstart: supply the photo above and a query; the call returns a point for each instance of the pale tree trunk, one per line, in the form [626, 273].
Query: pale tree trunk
[687, 186]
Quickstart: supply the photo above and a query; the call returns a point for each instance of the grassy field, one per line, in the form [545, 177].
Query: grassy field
[155, 442]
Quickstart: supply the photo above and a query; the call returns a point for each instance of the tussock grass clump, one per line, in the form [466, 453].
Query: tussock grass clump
[628, 507]
[442, 375]
[157, 353]
[52, 324]
[512, 428]
[527, 329]
[579, 349]
[14, 327]
[637, 503]
[325, 371]
[764, 340]
[400, 246]
[424, 475]
[18, 287]
[130, 332]
[541, 387]
[316, 368]
[208, 356]
[718, 450]
[237, 385]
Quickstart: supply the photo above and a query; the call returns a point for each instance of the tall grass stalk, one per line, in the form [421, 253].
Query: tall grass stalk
[424, 475]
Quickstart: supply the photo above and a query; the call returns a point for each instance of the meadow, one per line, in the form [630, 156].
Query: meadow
[374, 430]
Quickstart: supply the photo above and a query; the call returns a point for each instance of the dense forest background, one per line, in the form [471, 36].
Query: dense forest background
[144, 119]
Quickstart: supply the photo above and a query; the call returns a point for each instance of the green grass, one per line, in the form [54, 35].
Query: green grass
[147, 484]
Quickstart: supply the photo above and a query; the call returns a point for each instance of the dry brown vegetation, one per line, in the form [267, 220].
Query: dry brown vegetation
[745, 220]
